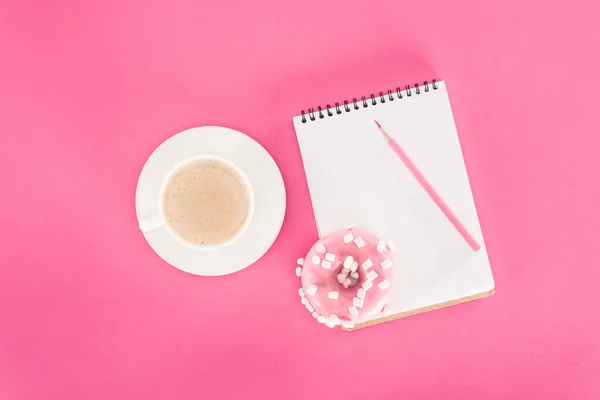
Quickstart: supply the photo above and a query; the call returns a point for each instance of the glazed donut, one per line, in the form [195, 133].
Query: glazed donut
[346, 277]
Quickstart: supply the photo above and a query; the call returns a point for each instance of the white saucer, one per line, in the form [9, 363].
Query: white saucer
[263, 174]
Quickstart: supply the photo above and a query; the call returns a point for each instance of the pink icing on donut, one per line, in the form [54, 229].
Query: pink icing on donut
[325, 280]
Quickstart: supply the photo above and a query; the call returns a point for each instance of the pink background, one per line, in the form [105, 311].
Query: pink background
[87, 91]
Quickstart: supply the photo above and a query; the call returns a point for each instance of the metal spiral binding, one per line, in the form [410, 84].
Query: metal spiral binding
[373, 100]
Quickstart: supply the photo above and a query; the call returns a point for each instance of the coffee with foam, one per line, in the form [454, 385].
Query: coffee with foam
[207, 202]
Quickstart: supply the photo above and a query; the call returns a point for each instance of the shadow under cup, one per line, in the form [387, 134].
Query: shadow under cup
[205, 202]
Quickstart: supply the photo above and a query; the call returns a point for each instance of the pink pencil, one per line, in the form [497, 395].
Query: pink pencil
[429, 189]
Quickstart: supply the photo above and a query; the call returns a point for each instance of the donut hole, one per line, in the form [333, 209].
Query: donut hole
[349, 277]
[353, 281]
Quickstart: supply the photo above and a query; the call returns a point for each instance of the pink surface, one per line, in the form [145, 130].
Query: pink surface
[89, 89]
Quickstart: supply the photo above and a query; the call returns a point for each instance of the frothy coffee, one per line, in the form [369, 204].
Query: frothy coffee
[206, 202]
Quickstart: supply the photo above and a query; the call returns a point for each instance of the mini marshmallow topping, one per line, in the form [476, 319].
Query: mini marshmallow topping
[391, 245]
[384, 284]
[385, 264]
[380, 246]
[359, 242]
[332, 321]
[312, 289]
[348, 262]
[320, 248]
[371, 275]
[348, 238]
[330, 257]
[367, 264]
[358, 302]
[333, 295]
[326, 264]
[348, 325]
[300, 261]
[316, 259]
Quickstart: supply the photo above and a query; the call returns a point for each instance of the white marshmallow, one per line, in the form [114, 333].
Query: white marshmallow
[348, 262]
[348, 237]
[353, 310]
[371, 275]
[347, 282]
[300, 261]
[315, 314]
[320, 248]
[326, 264]
[386, 310]
[310, 308]
[380, 246]
[305, 301]
[359, 242]
[298, 271]
[354, 266]
[385, 264]
[333, 295]
[312, 289]
[354, 274]
[301, 292]
[332, 321]
[345, 271]
[330, 257]
[361, 293]
[341, 278]
[358, 302]
[384, 284]
[391, 245]
[321, 319]
[316, 259]
[367, 264]
[367, 285]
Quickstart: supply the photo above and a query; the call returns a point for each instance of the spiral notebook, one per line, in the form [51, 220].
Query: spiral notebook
[355, 178]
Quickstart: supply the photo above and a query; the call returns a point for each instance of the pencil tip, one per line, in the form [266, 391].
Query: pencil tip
[379, 126]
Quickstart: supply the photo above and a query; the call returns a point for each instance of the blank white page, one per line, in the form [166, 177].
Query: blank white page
[355, 177]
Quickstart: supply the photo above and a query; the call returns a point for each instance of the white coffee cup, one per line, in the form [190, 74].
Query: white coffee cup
[160, 219]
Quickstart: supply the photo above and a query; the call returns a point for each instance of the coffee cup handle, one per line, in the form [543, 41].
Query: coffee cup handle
[151, 223]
